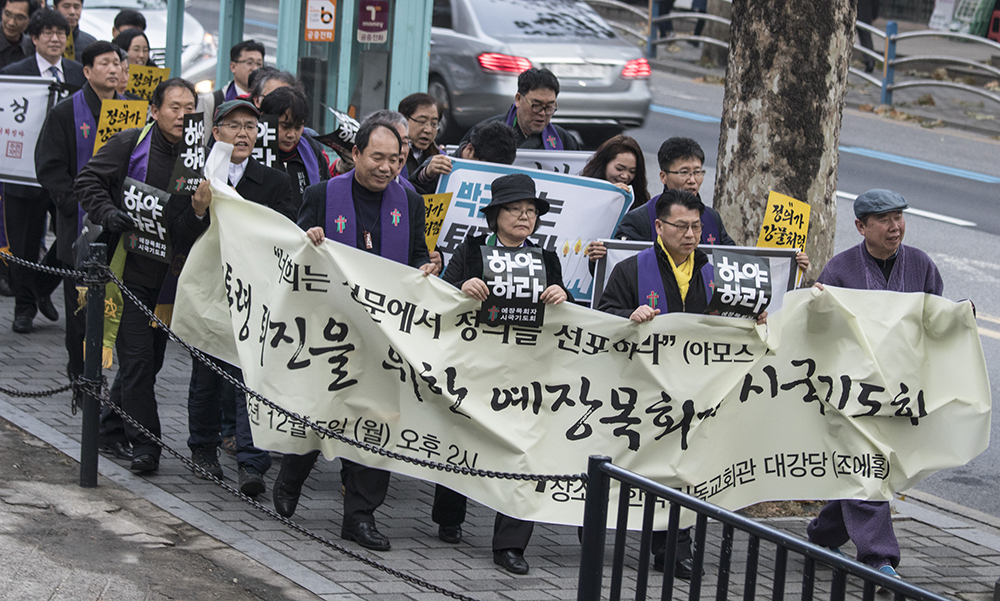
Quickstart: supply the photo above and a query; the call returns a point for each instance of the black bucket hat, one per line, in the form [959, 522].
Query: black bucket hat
[512, 188]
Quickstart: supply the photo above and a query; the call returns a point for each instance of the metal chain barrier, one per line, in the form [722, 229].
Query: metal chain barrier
[66, 273]
[377, 450]
[37, 394]
[101, 392]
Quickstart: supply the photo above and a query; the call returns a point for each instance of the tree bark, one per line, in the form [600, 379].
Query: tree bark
[784, 101]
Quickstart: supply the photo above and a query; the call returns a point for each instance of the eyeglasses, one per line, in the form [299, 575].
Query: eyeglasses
[251, 63]
[530, 211]
[431, 123]
[684, 173]
[52, 33]
[233, 128]
[548, 109]
[682, 228]
[14, 17]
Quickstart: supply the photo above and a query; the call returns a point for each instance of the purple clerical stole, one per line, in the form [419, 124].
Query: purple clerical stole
[394, 218]
[85, 125]
[550, 137]
[651, 291]
[309, 160]
[709, 228]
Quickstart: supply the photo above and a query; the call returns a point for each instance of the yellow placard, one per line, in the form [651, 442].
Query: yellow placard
[436, 206]
[143, 80]
[786, 223]
[117, 115]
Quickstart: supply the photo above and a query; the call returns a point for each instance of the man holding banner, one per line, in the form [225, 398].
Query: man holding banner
[367, 209]
[879, 262]
[145, 158]
[64, 147]
[531, 114]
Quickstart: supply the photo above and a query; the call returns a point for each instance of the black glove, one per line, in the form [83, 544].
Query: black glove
[119, 221]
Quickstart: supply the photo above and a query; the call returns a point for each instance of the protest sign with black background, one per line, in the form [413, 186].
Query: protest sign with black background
[147, 206]
[515, 278]
[742, 285]
[265, 148]
[188, 171]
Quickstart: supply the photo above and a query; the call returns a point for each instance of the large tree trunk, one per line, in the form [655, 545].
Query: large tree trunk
[784, 101]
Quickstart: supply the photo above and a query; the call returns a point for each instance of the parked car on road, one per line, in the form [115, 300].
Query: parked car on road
[478, 47]
[199, 47]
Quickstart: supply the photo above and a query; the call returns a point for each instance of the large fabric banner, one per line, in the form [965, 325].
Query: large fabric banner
[581, 210]
[556, 161]
[845, 394]
[24, 103]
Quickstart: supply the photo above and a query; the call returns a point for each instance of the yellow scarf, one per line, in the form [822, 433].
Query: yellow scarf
[682, 273]
[69, 53]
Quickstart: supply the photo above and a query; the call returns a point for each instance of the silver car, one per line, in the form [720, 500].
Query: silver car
[199, 47]
[478, 47]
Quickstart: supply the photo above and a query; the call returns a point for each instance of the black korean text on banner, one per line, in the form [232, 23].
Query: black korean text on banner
[147, 206]
[265, 149]
[516, 280]
[742, 285]
[190, 166]
[24, 102]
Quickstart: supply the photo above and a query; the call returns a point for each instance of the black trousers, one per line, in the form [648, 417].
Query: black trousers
[508, 533]
[76, 327]
[658, 544]
[25, 219]
[364, 491]
[140, 356]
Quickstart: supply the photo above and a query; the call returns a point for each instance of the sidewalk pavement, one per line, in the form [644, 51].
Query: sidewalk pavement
[930, 106]
[169, 534]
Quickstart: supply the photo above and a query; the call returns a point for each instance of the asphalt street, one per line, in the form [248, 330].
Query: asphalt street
[950, 174]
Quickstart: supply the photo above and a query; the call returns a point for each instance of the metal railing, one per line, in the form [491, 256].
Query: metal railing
[590, 587]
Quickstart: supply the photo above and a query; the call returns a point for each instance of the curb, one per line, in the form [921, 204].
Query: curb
[295, 572]
[687, 69]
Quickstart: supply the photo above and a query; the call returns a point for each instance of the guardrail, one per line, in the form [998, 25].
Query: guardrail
[590, 586]
[887, 83]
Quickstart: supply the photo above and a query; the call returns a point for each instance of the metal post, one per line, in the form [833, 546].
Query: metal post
[650, 49]
[231, 15]
[175, 36]
[888, 71]
[595, 524]
[290, 24]
[96, 264]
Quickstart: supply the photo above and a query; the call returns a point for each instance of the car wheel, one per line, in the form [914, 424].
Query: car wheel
[448, 131]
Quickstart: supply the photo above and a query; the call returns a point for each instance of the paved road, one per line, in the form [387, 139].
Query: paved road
[951, 174]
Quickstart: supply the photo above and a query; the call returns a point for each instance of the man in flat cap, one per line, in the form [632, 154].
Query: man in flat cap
[879, 262]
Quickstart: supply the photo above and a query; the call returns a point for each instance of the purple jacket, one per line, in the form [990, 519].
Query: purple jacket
[856, 268]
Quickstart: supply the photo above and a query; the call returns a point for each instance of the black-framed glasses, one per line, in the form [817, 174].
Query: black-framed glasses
[431, 123]
[255, 64]
[529, 211]
[684, 227]
[547, 109]
[698, 174]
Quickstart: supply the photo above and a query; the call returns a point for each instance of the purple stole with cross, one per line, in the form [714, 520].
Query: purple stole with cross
[651, 291]
[709, 228]
[394, 217]
[550, 137]
[85, 126]
[309, 160]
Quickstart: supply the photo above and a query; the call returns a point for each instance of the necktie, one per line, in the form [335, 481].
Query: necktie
[55, 73]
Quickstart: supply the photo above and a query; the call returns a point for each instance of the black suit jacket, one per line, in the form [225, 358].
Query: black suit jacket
[73, 71]
[269, 187]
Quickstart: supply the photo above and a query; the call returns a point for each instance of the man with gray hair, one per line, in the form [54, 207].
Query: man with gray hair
[879, 262]
[397, 121]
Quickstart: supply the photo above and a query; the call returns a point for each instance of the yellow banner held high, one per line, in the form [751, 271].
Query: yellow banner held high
[786, 223]
[118, 115]
[436, 206]
[142, 80]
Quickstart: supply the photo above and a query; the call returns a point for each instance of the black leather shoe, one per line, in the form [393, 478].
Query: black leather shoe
[144, 463]
[450, 534]
[47, 309]
[512, 560]
[22, 325]
[366, 535]
[286, 497]
[683, 568]
[251, 481]
[120, 449]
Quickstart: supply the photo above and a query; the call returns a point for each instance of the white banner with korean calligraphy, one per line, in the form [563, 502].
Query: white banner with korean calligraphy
[581, 210]
[861, 394]
[24, 103]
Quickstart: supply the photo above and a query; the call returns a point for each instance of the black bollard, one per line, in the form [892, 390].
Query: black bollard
[595, 524]
[96, 266]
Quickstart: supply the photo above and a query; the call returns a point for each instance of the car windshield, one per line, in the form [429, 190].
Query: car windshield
[540, 19]
[134, 4]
